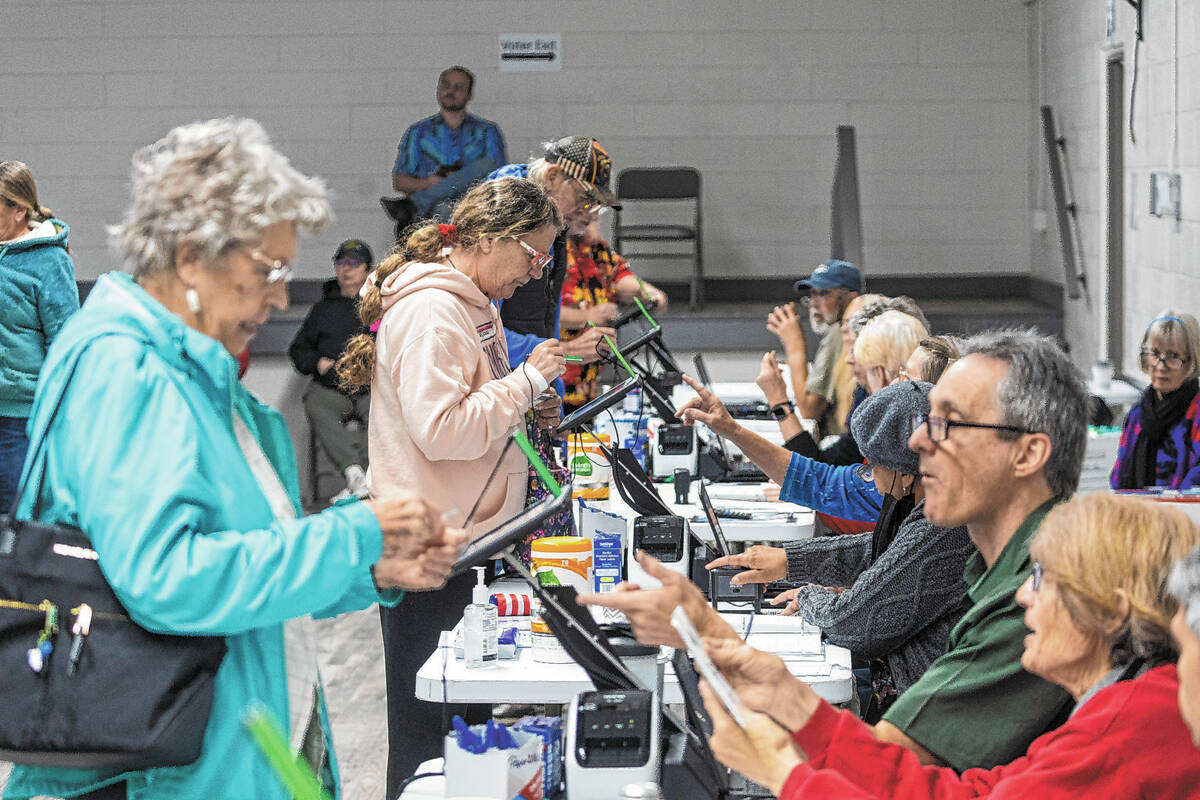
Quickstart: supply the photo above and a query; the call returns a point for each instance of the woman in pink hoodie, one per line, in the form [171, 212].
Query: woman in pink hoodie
[444, 402]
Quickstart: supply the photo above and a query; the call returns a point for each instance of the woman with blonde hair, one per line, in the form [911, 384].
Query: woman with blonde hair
[885, 344]
[444, 403]
[1160, 441]
[38, 294]
[1099, 615]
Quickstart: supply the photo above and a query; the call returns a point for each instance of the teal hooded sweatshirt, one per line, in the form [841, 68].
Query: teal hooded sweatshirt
[142, 457]
[37, 295]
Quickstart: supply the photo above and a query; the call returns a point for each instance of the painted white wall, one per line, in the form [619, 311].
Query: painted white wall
[748, 91]
[1162, 256]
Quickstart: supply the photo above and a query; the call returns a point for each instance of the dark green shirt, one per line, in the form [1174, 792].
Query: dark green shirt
[976, 706]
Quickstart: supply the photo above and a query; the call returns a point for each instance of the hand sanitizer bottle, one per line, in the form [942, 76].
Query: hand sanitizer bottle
[480, 628]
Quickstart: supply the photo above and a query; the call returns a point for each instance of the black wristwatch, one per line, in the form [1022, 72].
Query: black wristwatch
[780, 411]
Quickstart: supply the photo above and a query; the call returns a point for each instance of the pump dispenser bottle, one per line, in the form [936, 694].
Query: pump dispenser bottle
[480, 646]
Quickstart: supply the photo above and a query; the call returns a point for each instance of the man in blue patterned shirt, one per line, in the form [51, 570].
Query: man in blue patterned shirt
[442, 156]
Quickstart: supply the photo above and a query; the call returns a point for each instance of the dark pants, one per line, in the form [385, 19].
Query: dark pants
[410, 634]
[13, 446]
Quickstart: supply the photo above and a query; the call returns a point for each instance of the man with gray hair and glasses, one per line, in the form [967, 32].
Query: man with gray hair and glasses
[1003, 443]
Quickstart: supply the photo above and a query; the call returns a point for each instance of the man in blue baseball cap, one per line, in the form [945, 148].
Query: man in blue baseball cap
[825, 293]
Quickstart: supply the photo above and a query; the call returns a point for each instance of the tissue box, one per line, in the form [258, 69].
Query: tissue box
[550, 731]
[499, 774]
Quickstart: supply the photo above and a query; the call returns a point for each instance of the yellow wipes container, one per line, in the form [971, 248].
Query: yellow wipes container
[589, 466]
[562, 561]
[557, 561]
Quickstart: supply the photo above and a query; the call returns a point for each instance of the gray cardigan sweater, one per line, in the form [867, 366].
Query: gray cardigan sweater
[902, 607]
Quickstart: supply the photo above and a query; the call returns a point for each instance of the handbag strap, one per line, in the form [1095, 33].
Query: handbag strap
[35, 449]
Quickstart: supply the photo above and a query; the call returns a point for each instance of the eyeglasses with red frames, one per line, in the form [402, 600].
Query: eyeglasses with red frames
[537, 259]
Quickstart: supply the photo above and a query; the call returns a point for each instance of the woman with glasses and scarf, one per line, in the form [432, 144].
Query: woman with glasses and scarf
[892, 595]
[1160, 442]
[445, 403]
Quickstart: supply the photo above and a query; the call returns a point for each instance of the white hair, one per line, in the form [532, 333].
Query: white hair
[888, 340]
[213, 185]
[1185, 586]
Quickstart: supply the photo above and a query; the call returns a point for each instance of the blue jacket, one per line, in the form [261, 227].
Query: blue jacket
[836, 491]
[520, 345]
[37, 294]
[142, 457]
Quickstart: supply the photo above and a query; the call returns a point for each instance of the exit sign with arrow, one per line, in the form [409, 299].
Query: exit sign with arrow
[530, 52]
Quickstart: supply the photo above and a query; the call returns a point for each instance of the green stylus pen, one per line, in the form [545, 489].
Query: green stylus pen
[536, 462]
[573, 359]
[645, 313]
[613, 346]
[294, 773]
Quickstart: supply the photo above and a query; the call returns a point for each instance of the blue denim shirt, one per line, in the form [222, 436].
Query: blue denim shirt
[836, 491]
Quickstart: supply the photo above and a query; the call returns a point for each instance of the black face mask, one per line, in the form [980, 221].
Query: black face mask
[895, 510]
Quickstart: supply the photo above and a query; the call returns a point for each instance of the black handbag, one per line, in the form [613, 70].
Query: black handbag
[82, 684]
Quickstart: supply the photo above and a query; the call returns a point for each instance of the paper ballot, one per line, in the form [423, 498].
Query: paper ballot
[695, 648]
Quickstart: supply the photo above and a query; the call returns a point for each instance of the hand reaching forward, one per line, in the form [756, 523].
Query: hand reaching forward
[763, 565]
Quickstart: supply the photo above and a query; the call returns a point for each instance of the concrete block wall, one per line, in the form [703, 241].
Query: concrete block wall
[748, 91]
[1162, 256]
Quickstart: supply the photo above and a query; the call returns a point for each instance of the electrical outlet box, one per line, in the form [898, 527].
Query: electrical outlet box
[1164, 194]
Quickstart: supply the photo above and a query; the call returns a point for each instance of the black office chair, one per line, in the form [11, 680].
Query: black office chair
[656, 185]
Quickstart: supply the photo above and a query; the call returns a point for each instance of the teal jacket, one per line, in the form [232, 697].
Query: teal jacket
[37, 295]
[142, 457]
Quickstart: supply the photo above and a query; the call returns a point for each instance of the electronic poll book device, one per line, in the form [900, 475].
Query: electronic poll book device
[720, 588]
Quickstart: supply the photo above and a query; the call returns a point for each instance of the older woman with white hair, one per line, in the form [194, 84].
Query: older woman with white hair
[186, 484]
[884, 345]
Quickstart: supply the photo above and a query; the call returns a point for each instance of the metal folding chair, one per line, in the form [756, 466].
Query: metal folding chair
[657, 185]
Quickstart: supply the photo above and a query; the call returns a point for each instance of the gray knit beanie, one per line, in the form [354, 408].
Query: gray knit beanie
[882, 424]
[1185, 585]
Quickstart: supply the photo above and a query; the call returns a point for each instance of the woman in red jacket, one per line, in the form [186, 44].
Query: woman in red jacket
[1099, 617]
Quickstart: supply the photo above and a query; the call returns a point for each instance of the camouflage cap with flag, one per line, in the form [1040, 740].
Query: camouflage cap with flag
[582, 158]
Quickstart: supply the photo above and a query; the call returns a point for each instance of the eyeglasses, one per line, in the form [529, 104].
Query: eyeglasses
[938, 428]
[819, 294]
[584, 198]
[537, 259]
[1037, 574]
[277, 269]
[1171, 359]
[864, 472]
[347, 263]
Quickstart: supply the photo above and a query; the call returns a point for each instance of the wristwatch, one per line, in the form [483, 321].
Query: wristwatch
[780, 411]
